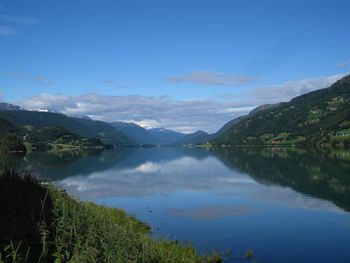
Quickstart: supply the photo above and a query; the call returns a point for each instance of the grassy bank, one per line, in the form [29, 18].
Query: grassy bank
[41, 223]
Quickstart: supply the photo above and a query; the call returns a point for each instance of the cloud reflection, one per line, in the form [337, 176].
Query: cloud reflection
[292, 199]
[166, 176]
[152, 178]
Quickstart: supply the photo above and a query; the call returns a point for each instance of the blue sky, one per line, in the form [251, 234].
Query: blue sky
[184, 65]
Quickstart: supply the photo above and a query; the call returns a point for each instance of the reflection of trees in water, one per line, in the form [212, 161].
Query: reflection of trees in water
[323, 174]
[60, 165]
[44, 164]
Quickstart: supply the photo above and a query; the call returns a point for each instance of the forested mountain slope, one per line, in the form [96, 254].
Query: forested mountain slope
[83, 127]
[318, 117]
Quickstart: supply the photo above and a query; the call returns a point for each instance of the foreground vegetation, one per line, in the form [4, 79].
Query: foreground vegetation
[41, 223]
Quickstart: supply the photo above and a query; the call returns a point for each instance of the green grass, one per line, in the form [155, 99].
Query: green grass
[344, 131]
[41, 223]
[345, 124]
[295, 141]
[63, 147]
[318, 115]
[340, 138]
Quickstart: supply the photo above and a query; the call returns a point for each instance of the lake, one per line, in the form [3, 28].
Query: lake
[285, 204]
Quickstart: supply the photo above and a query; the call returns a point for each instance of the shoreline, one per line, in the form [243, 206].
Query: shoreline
[62, 228]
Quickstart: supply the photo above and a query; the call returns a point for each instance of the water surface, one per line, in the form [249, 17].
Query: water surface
[287, 205]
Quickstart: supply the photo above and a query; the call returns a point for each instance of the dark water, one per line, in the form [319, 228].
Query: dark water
[286, 205]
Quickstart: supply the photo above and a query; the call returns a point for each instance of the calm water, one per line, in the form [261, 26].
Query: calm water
[287, 205]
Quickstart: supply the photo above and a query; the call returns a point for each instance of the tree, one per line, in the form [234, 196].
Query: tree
[10, 143]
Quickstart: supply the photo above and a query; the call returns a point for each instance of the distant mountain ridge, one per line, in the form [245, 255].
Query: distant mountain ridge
[165, 136]
[117, 133]
[43, 138]
[49, 137]
[253, 128]
[135, 132]
[193, 138]
[155, 136]
[7, 106]
[319, 117]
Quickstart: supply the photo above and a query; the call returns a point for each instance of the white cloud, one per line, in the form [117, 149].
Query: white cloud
[184, 116]
[206, 77]
[149, 178]
[209, 174]
[148, 124]
[288, 197]
[291, 89]
[286, 91]
[146, 168]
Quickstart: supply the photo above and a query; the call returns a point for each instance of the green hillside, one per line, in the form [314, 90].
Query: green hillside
[199, 137]
[10, 137]
[42, 138]
[320, 117]
[135, 132]
[54, 137]
[83, 127]
[193, 138]
[7, 106]
[7, 127]
[165, 136]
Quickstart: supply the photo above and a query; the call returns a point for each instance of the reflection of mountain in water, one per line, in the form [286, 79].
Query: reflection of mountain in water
[139, 172]
[319, 174]
[60, 165]
[157, 171]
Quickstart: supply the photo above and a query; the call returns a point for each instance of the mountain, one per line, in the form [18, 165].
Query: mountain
[318, 117]
[43, 138]
[83, 127]
[10, 138]
[164, 136]
[229, 124]
[82, 117]
[201, 137]
[193, 138]
[135, 132]
[263, 107]
[156, 136]
[7, 106]
[49, 137]
[7, 127]
[45, 110]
